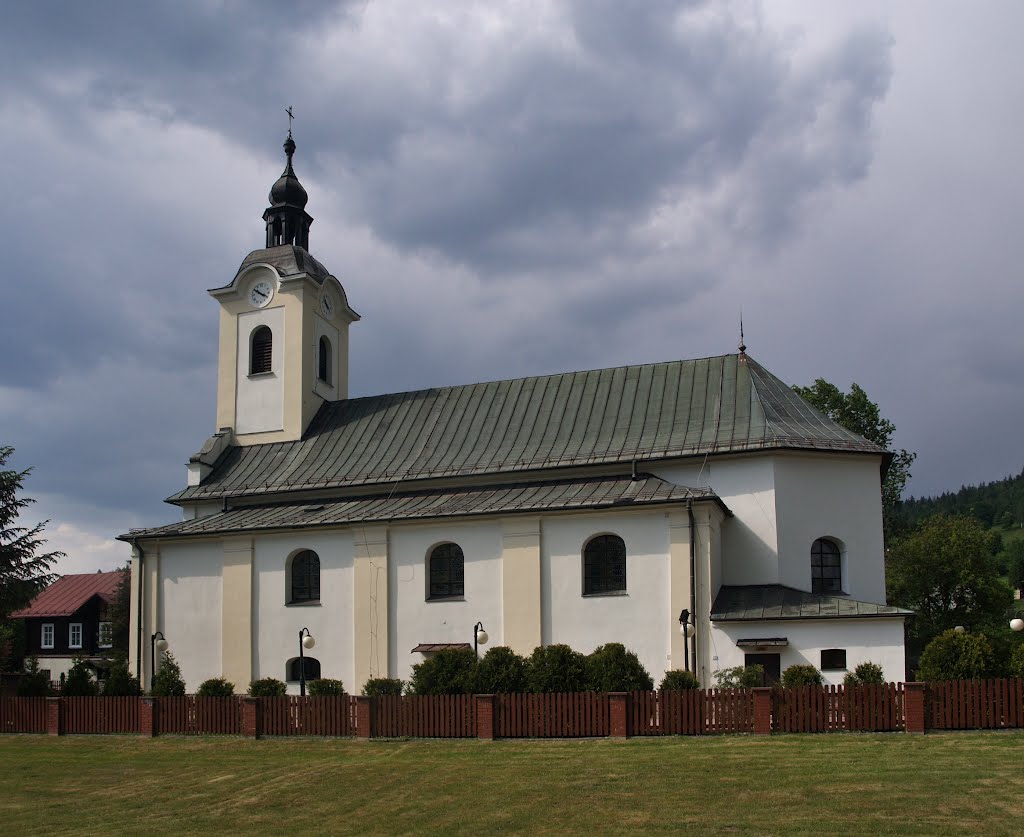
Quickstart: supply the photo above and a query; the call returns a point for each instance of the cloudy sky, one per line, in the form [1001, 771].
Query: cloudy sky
[506, 189]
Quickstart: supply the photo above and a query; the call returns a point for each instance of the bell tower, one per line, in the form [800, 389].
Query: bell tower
[284, 318]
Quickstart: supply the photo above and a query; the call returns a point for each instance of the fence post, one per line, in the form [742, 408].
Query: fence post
[149, 710]
[251, 717]
[913, 698]
[55, 716]
[618, 706]
[364, 716]
[762, 710]
[486, 717]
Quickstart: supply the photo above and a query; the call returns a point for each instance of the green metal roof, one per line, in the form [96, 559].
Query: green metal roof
[643, 413]
[768, 602]
[589, 493]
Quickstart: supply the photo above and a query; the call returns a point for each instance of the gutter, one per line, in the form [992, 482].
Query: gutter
[693, 588]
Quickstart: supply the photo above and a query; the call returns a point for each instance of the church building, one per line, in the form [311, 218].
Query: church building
[578, 508]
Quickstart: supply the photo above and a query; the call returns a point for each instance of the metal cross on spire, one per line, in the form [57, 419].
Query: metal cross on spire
[291, 118]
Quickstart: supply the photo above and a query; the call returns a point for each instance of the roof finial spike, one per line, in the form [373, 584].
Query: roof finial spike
[743, 346]
[291, 118]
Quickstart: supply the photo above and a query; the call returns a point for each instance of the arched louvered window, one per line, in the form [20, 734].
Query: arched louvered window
[304, 575]
[604, 565]
[261, 350]
[324, 361]
[446, 571]
[296, 664]
[826, 567]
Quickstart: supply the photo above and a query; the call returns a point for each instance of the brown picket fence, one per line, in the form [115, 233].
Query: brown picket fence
[975, 704]
[424, 716]
[325, 715]
[692, 712]
[101, 715]
[191, 715]
[569, 715]
[23, 714]
[868, 708]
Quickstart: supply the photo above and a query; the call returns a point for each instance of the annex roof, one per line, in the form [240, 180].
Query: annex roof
[68, 593]
[576, 494]
[723, 404]
[769, 602]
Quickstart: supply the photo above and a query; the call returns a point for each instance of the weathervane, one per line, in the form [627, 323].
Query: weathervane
[291, 118]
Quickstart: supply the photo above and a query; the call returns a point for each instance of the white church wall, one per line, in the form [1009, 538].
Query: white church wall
[835, 496]
[260, 398]
[640, 618]
[747, 487]
[877, 641]
[413, 618]
[276, 624]
[189, 612]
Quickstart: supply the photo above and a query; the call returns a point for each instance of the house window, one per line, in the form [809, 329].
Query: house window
[75, 635]
[105, 636]
[47, 637]
[324, 361]
[833, 659]
[446, 572]
[297, 664]
[826, 567]
[304, 576]
[604, 565]
[261, 350]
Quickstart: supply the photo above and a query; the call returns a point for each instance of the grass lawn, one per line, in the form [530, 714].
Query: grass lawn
[959, 783]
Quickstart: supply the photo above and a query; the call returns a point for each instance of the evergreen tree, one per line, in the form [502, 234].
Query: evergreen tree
[168, 682]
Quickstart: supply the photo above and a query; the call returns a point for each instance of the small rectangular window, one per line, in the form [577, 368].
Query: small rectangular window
[75, 635]
[106, 635]
[833, 659]
[47, 638]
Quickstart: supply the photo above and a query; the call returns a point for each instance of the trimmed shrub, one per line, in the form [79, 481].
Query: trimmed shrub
[679, 680]
[33, 682]
[740, 677]
[1017, 661]
[451, 671]
[611, 668]
[120, 682]
[501, 671]
[215, 687]
[801, 675]
[865, 674]
[168, 682]
[325, 686]
[267, 687]
[957, 656]
[556, 668]
[383, 686]
[80, 682]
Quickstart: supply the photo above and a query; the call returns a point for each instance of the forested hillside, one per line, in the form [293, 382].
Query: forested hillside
[999, 503]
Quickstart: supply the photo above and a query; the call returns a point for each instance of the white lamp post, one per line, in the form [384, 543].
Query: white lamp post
[306, 641]
[479, 636]
[686, 630]
[1017, 624]
[157, 643]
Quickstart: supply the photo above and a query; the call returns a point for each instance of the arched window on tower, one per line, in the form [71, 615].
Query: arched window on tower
[826, 567]
[324, 361]
[604, 565]
[304, 577]
[446, 572]
[261, 349]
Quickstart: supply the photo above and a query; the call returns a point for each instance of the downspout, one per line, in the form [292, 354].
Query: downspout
[138, 604]
[693, 587]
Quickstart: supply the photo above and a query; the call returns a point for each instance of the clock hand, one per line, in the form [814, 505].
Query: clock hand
[260, 293]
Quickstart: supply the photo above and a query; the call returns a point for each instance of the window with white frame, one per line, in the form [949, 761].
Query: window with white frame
[75, 635]
[47, 637]
[105, 636]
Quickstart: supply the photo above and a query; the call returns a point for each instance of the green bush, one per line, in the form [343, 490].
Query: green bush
[678, 680]
[865, 674]
[33, 682]
[801, 675]
[120, 682]
[501, 671]
[383, 686]
[740, 677]
[215, 687]
[556, 668]
[325, 686]
[451, 671]
[168, 682]
[80, 682]
[957, 656]
[1017, 661]
[267, 687]
[611, 668]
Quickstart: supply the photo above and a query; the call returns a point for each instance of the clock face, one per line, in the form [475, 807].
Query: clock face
[261, 293]
[327, 306]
